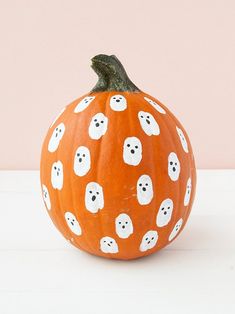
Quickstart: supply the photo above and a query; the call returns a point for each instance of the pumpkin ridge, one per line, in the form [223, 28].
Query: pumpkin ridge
[155, 197]
[180, 187]
[179, 190]
[71, 174]
[56, 191]
[100, 216]
[166, 122]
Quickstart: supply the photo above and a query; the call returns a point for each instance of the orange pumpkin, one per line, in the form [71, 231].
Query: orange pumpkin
[117, 169]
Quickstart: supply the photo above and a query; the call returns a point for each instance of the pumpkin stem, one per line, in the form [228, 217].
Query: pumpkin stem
[111, 75]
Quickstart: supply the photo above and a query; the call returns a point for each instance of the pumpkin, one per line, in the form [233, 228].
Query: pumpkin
[117, 169]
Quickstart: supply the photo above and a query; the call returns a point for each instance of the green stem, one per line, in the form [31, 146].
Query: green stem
[111, 75]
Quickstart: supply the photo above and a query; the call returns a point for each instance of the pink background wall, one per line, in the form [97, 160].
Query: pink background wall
[182, 52]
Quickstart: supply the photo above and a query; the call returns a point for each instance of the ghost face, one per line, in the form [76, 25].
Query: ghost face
[124, 226]
[148, 123]
[132, 151]
[56, 137]
[108, 245]
[149, 240]
[173, 166]
[98, 126]
[176, 229]
[72, 223]
[118, 103]
[46, 197]
[83, 104]
[94, 198]
[82, 161]
[155, 105]
[164, 213]
[144, 189]
[188, 192]
[182, 139]
[57, 175]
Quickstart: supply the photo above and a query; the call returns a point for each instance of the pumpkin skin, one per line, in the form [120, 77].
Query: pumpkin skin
[127, 222]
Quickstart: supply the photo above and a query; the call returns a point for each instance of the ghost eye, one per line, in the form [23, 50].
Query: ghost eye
[176, 163]
[97, 193]
[136, 146]
[114, 97]
[168, 207]
[104, 241]
[140, 184]
[83, 155]
[152, 238]
[73, 220]
[162, 208]
[68, 218]
[90, 191]
[55, 168]
[128, 145]
[111, 242]
[148, 117]
[78, 154]
[119, 222]
[126, 222]
[102, 121]
[146, 239]
[171, 162]
[141, 116]
[95, 120]
[146, 184]
[56, 129]
[60, 130]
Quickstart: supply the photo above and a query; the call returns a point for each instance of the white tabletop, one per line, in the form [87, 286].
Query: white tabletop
[42, 273]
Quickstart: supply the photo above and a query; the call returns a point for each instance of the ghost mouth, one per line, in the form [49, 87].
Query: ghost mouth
[123, 227]
[97, 124]
[147, 120]
[144, 189]
[117, 100]
[93, 198]
[72, 223]
[174, 169]
[132, 151]
[80, 159]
